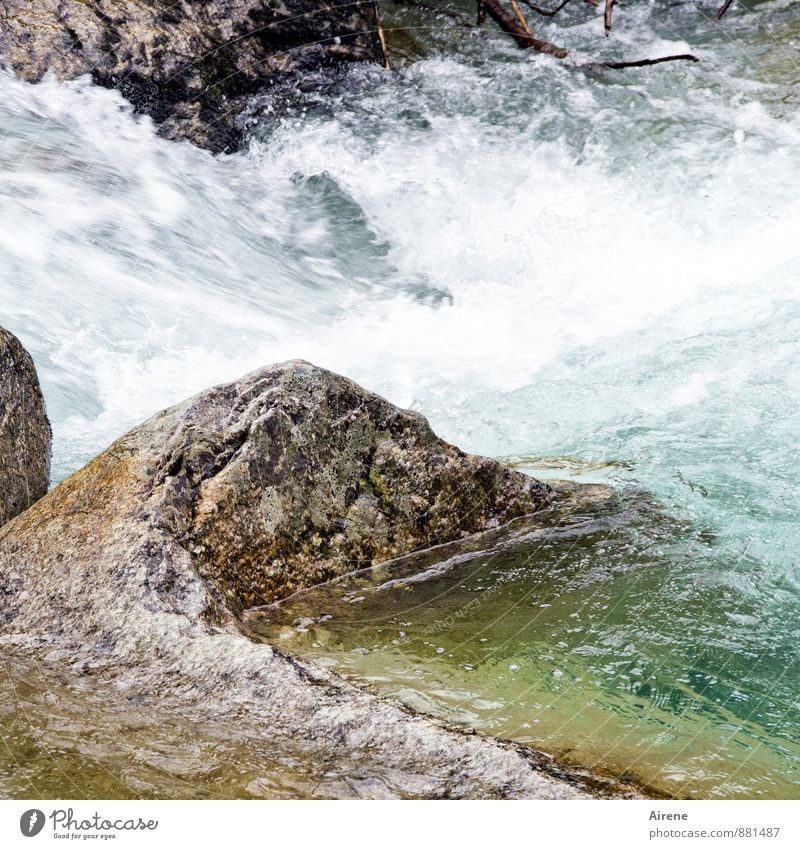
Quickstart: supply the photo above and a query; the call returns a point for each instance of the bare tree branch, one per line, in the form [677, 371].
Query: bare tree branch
[524, 39]
[607, 16]
[722, 9]
[520, 17]
[641, 63]
[548, 13]
[517, 27]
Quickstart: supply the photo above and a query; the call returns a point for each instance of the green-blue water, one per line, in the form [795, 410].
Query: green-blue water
[628, 643]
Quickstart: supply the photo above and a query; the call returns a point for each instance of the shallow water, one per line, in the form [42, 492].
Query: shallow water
[68, 735]
[580, 637]
[592, 272]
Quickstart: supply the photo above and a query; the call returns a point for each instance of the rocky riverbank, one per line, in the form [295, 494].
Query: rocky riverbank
[136, 570]
[192, 67]
[24, 431]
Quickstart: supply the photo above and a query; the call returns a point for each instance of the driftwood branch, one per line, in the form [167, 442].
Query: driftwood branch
[520, 17]
[722, 9]
[607, 16]
[641, 63]
[496, 11]
[548, 13]
[517, 27]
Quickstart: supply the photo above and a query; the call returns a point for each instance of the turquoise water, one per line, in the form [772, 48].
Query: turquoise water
[628, 643]
[594, 275]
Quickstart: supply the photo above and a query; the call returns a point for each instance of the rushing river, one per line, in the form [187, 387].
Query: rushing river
[593, 274]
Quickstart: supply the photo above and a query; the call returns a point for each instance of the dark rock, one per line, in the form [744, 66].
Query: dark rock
[24, 431]
[191, 66]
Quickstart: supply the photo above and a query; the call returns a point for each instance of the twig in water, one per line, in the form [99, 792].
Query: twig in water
[722, 9]
[607, 16]
[520, 17]
[519, 30]
[508, 24]
[641, 63]
[548, 13]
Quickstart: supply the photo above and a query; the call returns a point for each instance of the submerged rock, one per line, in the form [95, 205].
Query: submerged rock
[191, 66]
[137, 567]
[24, 431]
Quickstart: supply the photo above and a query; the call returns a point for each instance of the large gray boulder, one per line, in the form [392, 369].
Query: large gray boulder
[276, 482]
[24, 431]
[191, 66]
[136, 569]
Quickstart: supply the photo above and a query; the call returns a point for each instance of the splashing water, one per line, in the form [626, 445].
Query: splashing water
[593, 274]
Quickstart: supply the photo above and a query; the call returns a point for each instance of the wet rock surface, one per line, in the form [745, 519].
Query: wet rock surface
[24, 431]
[134, 570]
[191, 66]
